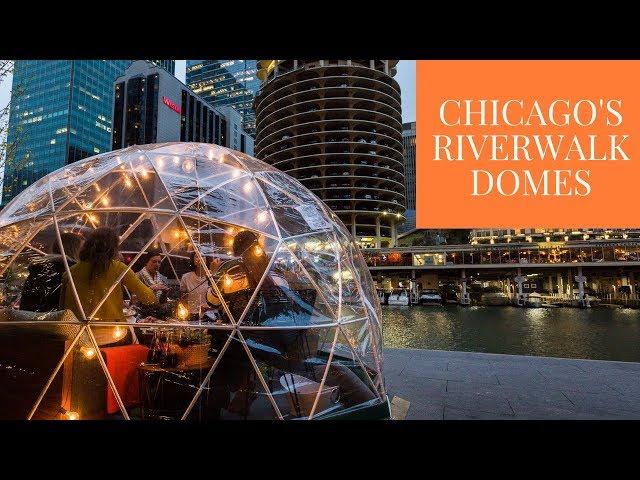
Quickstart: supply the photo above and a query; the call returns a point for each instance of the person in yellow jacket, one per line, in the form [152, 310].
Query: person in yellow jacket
[93, 276]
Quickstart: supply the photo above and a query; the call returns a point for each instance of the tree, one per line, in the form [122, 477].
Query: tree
[8, 149]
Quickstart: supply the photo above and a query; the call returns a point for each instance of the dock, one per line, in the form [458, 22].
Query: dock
[442, 385]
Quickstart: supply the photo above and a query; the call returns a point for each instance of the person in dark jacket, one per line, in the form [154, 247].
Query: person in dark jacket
[41, 290]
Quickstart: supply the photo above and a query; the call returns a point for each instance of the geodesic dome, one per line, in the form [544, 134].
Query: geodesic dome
[294, 331]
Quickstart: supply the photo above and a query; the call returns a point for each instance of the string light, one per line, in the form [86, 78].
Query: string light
[182, 312]
[127, 182]
[262, 217]
[88, 352]
[118, 333]
[188, 166]
[105, 201]
[71, 415]
[229, 252]
[143, 173]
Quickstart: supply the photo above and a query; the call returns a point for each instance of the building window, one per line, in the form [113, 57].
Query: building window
[223, 132]
[118, 110]
[183, 117]
[151, 117]
[211, 135]
[217, 130]
[205, 124]
[190, 117]
[134, 127]
[242, 144]
[198, 134]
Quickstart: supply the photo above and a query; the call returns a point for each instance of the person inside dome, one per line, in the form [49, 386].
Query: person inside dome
[94, 276]
[194, 286]
[41, 290]
[151, 276]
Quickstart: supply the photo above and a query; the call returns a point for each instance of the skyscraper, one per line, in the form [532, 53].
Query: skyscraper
[61, 114]
[336, 125]
[226, 83]
[409, 145]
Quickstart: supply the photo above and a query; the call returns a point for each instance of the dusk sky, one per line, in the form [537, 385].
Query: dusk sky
[406, 77]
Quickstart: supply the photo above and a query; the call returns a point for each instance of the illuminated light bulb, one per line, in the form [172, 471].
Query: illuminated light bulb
[127, 182]
[231, 230]
[93, 218]
[566, 238]
[258, 250]
[188, 166]
[248, 187]
[606, 235]
[210, 154]
[105, 201]
[97, 187]
[384, 213]
[227, 281]
[624, 235]
[160, 163]
[71, 415]
[141, 157]
[585, 237]
[88, 352]
[492, 241]
[548, 239]
[176, 161]
[229, 241]
[176, 233]
[262, 217]
[182, 312]
[397, 215]
[118, 333]
[144, 173]
[236, 173]
[229, 252]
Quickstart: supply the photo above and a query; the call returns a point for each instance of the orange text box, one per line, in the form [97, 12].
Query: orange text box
[553, 144]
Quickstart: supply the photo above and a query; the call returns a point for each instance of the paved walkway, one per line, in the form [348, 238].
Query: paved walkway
[464, 385]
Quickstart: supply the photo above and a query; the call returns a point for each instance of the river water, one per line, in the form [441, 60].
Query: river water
[596, 333]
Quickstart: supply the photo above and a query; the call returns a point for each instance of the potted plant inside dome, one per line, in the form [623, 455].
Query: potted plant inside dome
[193, 346]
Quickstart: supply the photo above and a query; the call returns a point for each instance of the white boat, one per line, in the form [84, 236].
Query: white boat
[495, 298]
[533, 300]
[399, 297]
[430, 297]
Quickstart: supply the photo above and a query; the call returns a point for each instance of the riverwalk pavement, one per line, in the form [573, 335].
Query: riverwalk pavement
[441, 385]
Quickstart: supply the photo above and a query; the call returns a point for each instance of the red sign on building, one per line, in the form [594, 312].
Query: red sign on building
[171, 105]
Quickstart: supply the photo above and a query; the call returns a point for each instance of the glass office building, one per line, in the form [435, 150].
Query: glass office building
[60, 113]
[226, 83]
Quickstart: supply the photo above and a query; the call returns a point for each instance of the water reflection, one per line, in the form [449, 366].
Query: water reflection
[603, 334]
